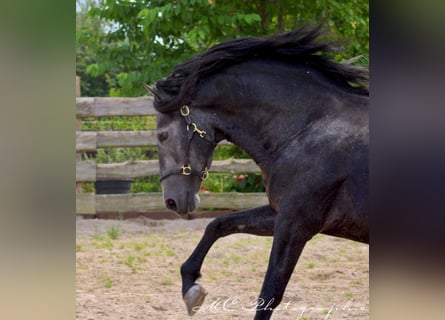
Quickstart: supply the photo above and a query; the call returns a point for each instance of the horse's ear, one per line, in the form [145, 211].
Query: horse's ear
[153, 92]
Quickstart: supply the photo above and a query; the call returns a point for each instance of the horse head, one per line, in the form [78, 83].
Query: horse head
[185, 147]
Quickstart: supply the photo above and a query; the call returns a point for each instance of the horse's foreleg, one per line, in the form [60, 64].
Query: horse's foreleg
[289, 241]
[258, 221]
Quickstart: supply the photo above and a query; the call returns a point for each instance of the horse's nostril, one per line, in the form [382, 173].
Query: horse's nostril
[171, 204]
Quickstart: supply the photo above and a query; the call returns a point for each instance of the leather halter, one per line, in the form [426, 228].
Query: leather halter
[192, 130]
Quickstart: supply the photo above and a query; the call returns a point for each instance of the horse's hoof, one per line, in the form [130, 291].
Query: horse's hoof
[194, 298]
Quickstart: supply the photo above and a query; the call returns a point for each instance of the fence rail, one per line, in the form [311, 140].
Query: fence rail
[102, 107]
[90, 141]
[88, 203]
[90, 171]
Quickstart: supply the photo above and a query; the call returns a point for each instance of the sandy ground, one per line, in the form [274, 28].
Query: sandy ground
[130, 270]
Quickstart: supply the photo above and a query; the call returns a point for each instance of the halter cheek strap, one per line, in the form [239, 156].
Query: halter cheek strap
[192, 130]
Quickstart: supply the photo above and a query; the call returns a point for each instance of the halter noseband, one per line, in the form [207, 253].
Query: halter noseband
[186, 169]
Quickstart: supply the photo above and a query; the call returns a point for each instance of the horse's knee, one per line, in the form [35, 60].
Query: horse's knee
[216, 229]
[225, 225]
[214, 226]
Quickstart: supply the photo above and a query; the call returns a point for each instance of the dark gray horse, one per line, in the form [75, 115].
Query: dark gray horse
[303, 119]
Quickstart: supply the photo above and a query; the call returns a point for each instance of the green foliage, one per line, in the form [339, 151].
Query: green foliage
[225, 152]
[131, 42]
[88, 187]
[122, 44]
[146, 39]
[248, 183]
[219, 182]
[116, 123]
[89, 29]
[227, 182]
[146, 184]
[119, 123]
[113, 155]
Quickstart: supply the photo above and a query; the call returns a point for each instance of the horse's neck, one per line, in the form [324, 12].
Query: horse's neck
[261, 111]
[261, 139]
[263, 125]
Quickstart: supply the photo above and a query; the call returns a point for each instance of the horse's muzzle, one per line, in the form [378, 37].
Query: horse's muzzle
[182, 204]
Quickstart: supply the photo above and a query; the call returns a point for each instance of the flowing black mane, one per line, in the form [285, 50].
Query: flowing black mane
[299, 46]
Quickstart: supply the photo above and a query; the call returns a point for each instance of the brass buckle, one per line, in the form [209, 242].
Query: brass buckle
[185, 111]
[201, 133]
[205, 174]
[186, 170]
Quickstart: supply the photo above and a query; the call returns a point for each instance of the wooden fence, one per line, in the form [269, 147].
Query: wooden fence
[90, 204]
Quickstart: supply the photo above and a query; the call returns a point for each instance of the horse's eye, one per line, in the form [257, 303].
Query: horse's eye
[162, 136]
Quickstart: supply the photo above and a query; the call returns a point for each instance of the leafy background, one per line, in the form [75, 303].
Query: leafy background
[122, 44]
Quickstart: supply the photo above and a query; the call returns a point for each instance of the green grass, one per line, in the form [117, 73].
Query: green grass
[103, 243]
[226, 273]
[139, 246]
[130, 262]
[98, 237]
[349, 295]
[232, 260]
[165, 251]
[107, 282]
[235, 258]
[166, 281]
[212, 275]
[247, 243]
[355, 283]
[113, 232]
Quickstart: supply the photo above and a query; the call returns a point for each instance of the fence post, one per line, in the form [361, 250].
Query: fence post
[79, 185]
[77, 86]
